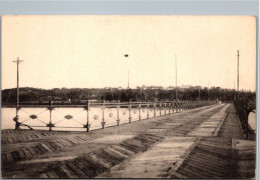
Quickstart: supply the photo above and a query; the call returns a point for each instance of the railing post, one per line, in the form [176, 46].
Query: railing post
[16, 118]
[50, 125]
[140, 111]
[88, 125]
[148, 110]
[50, 128]
[118, 108]
[130, 118]
[103, 115]
[160, 109]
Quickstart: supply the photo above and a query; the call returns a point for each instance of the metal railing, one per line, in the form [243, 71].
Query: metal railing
[117, 112]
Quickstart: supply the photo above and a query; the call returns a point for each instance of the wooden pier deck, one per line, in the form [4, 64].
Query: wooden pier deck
[201, 143]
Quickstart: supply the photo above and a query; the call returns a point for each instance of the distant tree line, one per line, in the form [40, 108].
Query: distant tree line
[77, 95]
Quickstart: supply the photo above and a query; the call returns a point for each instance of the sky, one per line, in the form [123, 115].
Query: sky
[88, 51]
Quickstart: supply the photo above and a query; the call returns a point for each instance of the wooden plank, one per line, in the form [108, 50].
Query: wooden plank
[123, 150]
[189, 173]
[9, 157]
[203, 161]
[31, 151]
[36, 150]
[75, 169]
[116, 153]
[27, 153]
[52, 174]
[43, 176]
[205, 167]
[3, 158]
[102, 162]
[81, 165]
[10, 140]
[15, 155]
[46, 147]
[68, 172]
[42, 149]
[60, 173]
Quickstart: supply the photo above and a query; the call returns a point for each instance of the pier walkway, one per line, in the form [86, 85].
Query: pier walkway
[205, 142]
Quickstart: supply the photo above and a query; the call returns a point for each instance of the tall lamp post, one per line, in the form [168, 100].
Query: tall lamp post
[238, 74]
[176, 77]
[126, 55]
[17, 124]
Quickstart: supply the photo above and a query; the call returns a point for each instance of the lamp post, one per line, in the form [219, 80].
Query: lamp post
[17, 124]
[176, 77]
[126, 55]
[237, 74]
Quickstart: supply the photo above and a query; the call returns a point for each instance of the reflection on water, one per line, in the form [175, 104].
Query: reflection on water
[79, 117]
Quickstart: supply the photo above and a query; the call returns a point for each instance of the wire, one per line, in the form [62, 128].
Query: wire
[41, 121]
[41, 112]
[25, 111]
[59, 121]
[77, 121]
[78, 112]
[25, 120]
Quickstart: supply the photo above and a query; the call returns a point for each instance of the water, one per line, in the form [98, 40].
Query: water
[252, 120]
[78, 120]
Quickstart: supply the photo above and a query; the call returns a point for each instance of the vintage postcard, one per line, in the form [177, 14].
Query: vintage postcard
[128, 96]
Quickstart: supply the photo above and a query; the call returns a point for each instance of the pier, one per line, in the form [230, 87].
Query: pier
[205, 142]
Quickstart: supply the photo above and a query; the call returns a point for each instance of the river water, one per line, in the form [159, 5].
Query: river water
[78, 120]
[252, 120]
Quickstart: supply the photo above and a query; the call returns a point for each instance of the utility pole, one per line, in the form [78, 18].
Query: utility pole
[176, 77]
[238, 73]
[18, 61]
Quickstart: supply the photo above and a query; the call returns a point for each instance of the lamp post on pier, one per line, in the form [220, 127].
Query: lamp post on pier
[126, 55]
[237, 74]
[17, 124]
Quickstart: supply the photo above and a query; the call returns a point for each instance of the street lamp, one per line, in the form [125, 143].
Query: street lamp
[126, 55]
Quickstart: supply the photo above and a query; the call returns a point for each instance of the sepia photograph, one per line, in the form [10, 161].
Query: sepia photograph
[128, 96]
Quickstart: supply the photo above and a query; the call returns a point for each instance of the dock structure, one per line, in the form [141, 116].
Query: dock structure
[205, 142]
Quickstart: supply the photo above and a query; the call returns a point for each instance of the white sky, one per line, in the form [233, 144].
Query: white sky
[88, 51]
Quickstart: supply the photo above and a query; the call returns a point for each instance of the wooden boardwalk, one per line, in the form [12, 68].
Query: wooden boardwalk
[200, 143]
